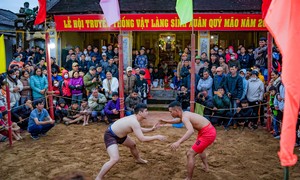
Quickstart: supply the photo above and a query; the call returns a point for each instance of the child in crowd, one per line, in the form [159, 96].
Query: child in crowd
[85, 111]
[275, 123]
[76, 86]
[244, 115]
[142, 86]
[74, 115]
[4, 129]
[61, 110]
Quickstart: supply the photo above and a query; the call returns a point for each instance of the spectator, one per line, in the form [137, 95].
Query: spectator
[234, 87]
[112, 68]
[14, 127]
[223, 65]
[205, 82]
[142, 86]
[221, 102]
[21, 114]
[69, 63]
[77, 52]
[38, 84]
[74, 115]
[15, 86]
[186, 82]
[3, 102]
[213, 61]
[204, 99]
[76, 86]
[112, 108]
[244, 59]
[180, 64]
[75, 68]
[55, 75]
[83, 63]
[184, 72]
[183, 96]
[175, 83]
[158, 78]
[90, 80]
[260, 54]
[129, 81]
[100, 74]
[96, 54]
[64, 87]
[219, 80]
[275, 122]
[255, 93]
[93, 62]
[110, 85]
[26, 92]
[131, 101]
[116, 51]
[245, 82]
[141, 60]
[198, 64]
[233, 61]
[244, 115]
[213, 70]
[61, 110]
[96, 103]
[70, 52]
[275, 80]
[256, 67]
[39, 122]
[116, 61]
[104, 50]
[110, 53]
[85, 111]
[54, 65]
[251, 56]
[229, 53]
[104, 62]
[205, 67]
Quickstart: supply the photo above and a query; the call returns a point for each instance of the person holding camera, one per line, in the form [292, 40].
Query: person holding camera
[90, 80]
[204, 99]
[183, 96]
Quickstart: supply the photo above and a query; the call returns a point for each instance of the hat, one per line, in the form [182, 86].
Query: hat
[174, 70]
[254, 72]
[104, 47]
[103, 54]
[243, 70]
[92, 68]
[115, 94]
[75, 64]
[197, 57]
[128, 69]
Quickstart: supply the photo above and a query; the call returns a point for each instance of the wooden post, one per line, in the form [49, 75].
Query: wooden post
[9, 114]
[121, 76]
[270, 58]
[50, 87]
[192, 96]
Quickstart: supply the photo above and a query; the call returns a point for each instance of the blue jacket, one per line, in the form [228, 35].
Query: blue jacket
[234, 86]
[217, 83]
[244, 61]
[38, 83]
[112, 105]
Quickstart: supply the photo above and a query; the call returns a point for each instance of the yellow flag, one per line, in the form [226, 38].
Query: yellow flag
[2, 55]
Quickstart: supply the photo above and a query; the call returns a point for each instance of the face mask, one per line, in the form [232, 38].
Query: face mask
[85, 52]
[220, 53]
[14, 76]
[17, 59]
[66, 76]
[103, 51]
[232, 57]
[56, 84]
[216, 48]
[230, 51]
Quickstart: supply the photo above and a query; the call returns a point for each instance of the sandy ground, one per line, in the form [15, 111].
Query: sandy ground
[235, 155]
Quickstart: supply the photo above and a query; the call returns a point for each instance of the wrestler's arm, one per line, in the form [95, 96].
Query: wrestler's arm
[172, 121]
[137, 130]
[155, 126]
[189, 132]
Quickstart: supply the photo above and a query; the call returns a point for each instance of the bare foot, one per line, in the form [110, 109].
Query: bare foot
[205, 168]
[141, 161]
[17, 138]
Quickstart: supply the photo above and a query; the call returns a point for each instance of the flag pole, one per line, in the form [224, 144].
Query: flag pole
[192, 95]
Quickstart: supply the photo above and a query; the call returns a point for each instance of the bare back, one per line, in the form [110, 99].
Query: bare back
[124, 126]
[196, 120]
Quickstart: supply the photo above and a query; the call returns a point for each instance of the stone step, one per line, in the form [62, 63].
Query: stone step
[160, 101]
[157, 107]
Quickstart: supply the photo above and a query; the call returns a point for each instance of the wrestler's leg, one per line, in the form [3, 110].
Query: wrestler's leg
[113, 152]
[191, 154]
[132, 146]
[204, 160]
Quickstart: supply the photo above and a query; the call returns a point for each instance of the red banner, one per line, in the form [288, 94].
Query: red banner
[161, 22]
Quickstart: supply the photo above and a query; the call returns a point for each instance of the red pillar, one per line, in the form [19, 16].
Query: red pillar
[50, 88]
[270, 58]
[9, 114]
[192, 95]
[121, 75]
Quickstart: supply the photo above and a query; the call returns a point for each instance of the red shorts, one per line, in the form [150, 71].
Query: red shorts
[206, 136]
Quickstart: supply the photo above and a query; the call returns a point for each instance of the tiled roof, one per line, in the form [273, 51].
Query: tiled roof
[7, 17]
[154, 6]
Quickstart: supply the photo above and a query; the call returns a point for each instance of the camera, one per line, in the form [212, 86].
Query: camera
[201, 96]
